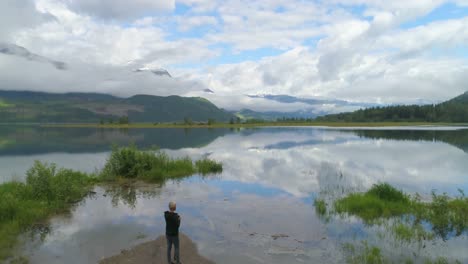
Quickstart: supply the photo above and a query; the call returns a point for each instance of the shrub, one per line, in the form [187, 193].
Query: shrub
[386, 192]
[129, 162]
[46, 191]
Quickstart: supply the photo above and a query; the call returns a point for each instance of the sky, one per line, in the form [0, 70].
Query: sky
[372, 51]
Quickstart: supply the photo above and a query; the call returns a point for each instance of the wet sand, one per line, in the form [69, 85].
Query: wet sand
[155, 252]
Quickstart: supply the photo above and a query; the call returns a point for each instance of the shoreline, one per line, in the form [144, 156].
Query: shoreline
[154, 251]
[255, 125]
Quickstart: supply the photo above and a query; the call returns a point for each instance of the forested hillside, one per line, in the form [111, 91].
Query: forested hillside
[454, 110]
[39, 107]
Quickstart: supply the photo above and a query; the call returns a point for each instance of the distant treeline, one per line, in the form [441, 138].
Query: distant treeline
[452, 111]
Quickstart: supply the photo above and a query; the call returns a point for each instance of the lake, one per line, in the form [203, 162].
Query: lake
[261, 208]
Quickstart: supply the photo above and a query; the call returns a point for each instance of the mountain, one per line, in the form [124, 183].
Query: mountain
[19, 51]
[454, 110]
[27, 107]
[274, 115]
[310, 101]
[157, 72]
[311, 107]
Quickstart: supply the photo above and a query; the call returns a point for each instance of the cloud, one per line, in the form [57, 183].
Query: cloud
[187, 23]
[120, 9]
[82, 77]
[356, 50]
[19, 14]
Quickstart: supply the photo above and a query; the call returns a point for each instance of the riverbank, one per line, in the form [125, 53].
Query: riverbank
[155, 252]
[253, 125]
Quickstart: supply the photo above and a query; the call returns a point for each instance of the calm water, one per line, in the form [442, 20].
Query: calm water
[271, 177]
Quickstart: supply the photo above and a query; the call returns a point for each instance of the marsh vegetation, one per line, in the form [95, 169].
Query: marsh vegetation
[408, 219]
[47, 191]
[154, 166]
[446, 216]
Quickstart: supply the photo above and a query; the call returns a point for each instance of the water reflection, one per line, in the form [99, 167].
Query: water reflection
[226, 230]
[271, 177]
[29, 140]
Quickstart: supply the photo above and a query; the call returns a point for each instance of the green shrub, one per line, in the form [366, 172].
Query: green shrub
[46, 191]
[386, 192]
[131, 163]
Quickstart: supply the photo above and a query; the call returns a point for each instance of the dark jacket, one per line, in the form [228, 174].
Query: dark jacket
[172, 223]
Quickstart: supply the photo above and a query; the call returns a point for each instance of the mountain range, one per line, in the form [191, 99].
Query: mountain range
[41, 107]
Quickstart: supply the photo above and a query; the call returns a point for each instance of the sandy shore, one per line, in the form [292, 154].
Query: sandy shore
[155, 252]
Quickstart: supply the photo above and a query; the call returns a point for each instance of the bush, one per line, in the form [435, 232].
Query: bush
[46, 191]
[386, 192]
[131, 163]
[60, 187]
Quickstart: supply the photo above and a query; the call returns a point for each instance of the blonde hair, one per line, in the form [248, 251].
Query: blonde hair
[172, 206]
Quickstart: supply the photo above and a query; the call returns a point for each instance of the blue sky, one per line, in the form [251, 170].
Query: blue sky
[356, 50]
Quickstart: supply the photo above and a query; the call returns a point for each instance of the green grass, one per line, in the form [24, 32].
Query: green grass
[445, 215]
[4, 104]
[382, 200]
[320, 207]
[47, 191]
[363, 253]
[207, 166]
[154, 166]
[410, 233]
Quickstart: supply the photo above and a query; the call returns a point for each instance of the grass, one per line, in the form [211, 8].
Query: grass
[409, 233]
[382, 200]
[207, 166]
[446, 216]
[320, 207]
[4, 104]
[153, 166]
[47, 191]
[363, 253]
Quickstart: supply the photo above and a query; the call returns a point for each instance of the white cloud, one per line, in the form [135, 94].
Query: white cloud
[187, 23]
[327, 49]
[18, 14]
[120, 9]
